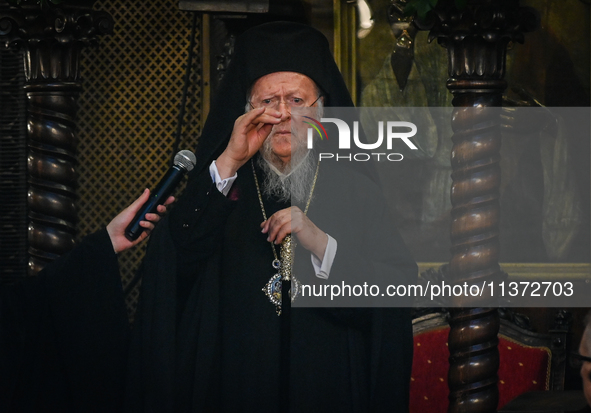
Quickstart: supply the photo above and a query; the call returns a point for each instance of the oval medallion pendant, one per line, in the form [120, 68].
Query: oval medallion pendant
[273, 290]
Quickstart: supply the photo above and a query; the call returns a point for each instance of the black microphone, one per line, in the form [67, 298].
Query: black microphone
[184, 161]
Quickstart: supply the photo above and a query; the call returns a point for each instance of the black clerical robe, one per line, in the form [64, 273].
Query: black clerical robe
[207, 336]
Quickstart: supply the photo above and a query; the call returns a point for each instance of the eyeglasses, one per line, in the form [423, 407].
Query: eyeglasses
[576, 360]
[274, 102]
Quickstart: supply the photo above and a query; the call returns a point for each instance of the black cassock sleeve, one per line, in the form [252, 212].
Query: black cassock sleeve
[64, 333]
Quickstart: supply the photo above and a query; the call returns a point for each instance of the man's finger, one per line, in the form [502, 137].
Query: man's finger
[249, 116]
[151, 217]
[283, 232]
[277, 219]
[264, 132]
[265, 118]
[161, 209]
[257, 116]
[278, 232]
[277, 227]
[149, 226]
[137, 204]
[265, 225]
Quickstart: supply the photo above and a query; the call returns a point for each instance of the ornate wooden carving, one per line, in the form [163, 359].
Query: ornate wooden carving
[52, 38]
[476, 40]
[13, 168]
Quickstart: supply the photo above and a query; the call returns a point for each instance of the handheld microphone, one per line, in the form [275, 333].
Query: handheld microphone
[184, 161]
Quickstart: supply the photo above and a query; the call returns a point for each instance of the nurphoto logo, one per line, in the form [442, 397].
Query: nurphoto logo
[388, 131]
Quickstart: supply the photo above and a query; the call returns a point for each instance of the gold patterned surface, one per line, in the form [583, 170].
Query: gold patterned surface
[128, 112]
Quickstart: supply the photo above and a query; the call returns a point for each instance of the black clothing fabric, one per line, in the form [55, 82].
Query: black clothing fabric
[206, 338]
[210, 337]
[64, 334]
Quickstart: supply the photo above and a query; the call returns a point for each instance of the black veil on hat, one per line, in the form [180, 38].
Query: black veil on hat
[268, 48]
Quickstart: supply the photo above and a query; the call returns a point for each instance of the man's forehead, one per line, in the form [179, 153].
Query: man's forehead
[289, 81]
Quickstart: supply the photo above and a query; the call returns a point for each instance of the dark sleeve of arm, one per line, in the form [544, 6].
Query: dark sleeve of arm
[197, 222]
[196, 227]
[64, 332]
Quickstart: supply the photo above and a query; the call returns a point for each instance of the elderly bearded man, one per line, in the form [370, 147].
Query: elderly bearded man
[207, 338]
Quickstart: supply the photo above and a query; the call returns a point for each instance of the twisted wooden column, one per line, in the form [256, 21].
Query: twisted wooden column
[52, 39]
[51, 159]
[476, 40]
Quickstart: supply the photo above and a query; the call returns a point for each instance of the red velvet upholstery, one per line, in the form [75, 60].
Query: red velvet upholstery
[428, 381]
[522, 369]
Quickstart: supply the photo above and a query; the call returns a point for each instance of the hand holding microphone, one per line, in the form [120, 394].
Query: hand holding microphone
[184, 161]
[116, 228]
[126, 232]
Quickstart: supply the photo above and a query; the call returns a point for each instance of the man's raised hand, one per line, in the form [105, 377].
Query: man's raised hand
[249, 133]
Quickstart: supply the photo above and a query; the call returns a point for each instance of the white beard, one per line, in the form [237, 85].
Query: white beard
[289, 186]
